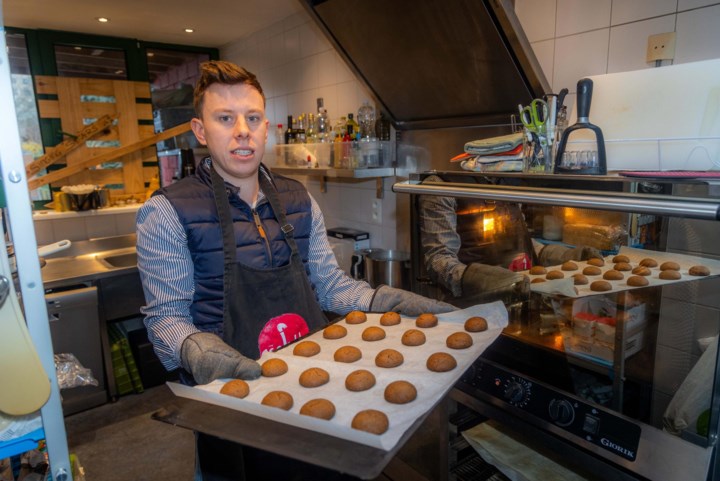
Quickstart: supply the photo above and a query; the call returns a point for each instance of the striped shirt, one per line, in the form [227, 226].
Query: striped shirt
[167, 270]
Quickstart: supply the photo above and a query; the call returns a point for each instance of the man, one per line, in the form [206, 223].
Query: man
[235, 260]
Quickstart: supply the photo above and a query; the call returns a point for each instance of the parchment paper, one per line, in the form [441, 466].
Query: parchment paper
[565, 286]
[431, 386]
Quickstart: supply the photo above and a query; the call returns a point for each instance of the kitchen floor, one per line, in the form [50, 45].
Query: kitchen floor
[119, 441]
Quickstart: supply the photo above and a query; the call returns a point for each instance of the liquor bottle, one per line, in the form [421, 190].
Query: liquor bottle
[353, 129]
[290, 132]
[366, 119]
[300, 137]
[382, 128]
[323, 125]
[310, 134]
[279, 134]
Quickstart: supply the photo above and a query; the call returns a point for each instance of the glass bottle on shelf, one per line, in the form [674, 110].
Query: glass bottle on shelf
[382, 128]
[323, 125]
[352, 127]
[310, 133]
[290, 132]
[366, 120]
[300, 131]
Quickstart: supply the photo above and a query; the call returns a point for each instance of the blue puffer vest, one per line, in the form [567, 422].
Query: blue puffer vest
[192, 198]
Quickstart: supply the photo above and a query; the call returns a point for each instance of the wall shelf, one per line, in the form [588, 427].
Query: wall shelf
[378, 174]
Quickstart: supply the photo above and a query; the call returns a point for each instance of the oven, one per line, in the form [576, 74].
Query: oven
[623, 384]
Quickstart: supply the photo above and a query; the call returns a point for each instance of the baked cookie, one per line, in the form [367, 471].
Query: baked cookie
[390, 319]
[622, 266]
[318, 408]
[613, 275]
[554, 275]
[476, 324]
[579, 279]
[360, 380]
[334, 331]
[306, 348]
[388, 358]
[371, 420]
[426, 320]
[373, 333]
[569, 266]
[278, 399]
[314, 377]
[699, 271]
[670, 266]
[670, 275]
[637, 281]
[648, 262]
[537, 280]
[642, 271]
[441, 362]
[600, 286]
[459, 340]
[620, 258]
[400, 392]
[355, 317]
[538, 270]
[235, 388]
[592, 271]
[596, 261]
[413, 337]
[274, 367]
[347, 354]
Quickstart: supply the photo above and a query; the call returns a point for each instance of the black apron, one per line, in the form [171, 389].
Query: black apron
[264, 309]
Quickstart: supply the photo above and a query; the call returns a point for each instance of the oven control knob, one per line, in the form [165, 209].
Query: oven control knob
[515, 392]
[561, 412]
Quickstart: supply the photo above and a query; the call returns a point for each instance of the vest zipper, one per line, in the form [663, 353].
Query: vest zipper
[261, 230]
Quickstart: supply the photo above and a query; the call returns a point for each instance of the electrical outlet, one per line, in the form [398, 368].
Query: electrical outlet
[377, 211]
[661, 47]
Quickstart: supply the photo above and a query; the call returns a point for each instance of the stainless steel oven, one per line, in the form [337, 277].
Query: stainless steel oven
[624, 383]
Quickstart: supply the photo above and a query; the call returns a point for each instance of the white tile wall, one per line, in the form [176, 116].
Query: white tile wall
[628, 43]
[575, 16]
[625, 11]
[539, 18]
[698, 35]
[578, 56]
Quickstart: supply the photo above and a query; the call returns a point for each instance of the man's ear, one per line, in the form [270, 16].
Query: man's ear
[199, 130]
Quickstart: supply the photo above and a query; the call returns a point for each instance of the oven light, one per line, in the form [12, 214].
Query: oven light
[497, 382]
[488, 224]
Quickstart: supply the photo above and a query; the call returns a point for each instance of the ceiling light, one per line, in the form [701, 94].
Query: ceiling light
[103, 19]
[189, 30]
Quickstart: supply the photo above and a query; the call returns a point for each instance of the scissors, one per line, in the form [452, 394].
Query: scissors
[535, 116]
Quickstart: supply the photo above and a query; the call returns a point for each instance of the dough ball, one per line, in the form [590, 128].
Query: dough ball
[306, 348]
[554, 275]
[347, 354]
[426, 320]
[648, 262]
[580, 279]
[389, 358]
[596, 261]
[235, 388]
[699, 271]
[400, 392]
[274, 367]
[373, 333]
[413, 337]
[670, 275]
[592, 271]
[613, 275]
[459, 340]
[537, 280]
[390, 319]
[334, 331]
[642, 271]
[622, 266]
[314, 377]
[537, 270]
[318, 408]
[441, 362]
[371, 420]
[355, 317]
[278, 399]
[670, 266]
[569, 266]
[360, 380]
[621, 258]
[600, 286]
[637, 281]
[476, 324]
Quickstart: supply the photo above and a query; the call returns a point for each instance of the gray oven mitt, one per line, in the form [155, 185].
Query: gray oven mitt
[207, 357]
[490, 283]
[555, 254]
[388, 298]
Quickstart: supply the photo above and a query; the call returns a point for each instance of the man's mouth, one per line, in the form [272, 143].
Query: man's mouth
[242, 151]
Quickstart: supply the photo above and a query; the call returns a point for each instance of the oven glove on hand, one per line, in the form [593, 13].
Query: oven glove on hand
[207, 357]
[555, 254]
[388, 298]
[489, 283]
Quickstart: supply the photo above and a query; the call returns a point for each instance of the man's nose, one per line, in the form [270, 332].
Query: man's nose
[241, 127]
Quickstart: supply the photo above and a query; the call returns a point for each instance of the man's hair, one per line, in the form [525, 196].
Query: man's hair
[218, 71]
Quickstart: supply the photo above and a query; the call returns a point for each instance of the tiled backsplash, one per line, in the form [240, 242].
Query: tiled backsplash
[55, 226]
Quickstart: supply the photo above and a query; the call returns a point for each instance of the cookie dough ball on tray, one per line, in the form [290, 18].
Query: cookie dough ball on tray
[670, 275]
[622, 266]
[642, 271]
[596, 261]
[670, 266]
[620, 258]
[649, 262]
[426, 320]
[278, 399]
[699, 271]
[372, 421]
[360, 380]
[389, 358]
[554, 275]
[334, 331]
[306, 348]
[613, 275]
[413, 337]
[592, 271]
[637, 281]
[347, 354]
[235, 388]
[314, 377]
[459, 340]
[476, 324]
[390, 319]
[441, 362]
[373, 333]
[318, 408]
[274, 367]
[579, 279]
[569, 266]
[400, 392]
[600, 286]
[538, 270]
[355, 317]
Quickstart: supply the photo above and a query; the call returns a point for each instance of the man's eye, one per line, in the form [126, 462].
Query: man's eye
[254, 118]
[225, 118]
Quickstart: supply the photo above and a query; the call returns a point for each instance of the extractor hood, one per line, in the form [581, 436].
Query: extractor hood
[435, 63]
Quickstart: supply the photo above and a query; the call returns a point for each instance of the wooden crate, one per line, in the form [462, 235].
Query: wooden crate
[134, 110]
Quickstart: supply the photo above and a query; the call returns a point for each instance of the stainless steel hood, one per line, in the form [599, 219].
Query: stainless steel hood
[433, 64]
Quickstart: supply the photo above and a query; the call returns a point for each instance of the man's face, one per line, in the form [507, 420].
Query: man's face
[234, 128]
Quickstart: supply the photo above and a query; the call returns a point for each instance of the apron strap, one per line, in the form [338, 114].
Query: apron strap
[272, 195]
[226, 223]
